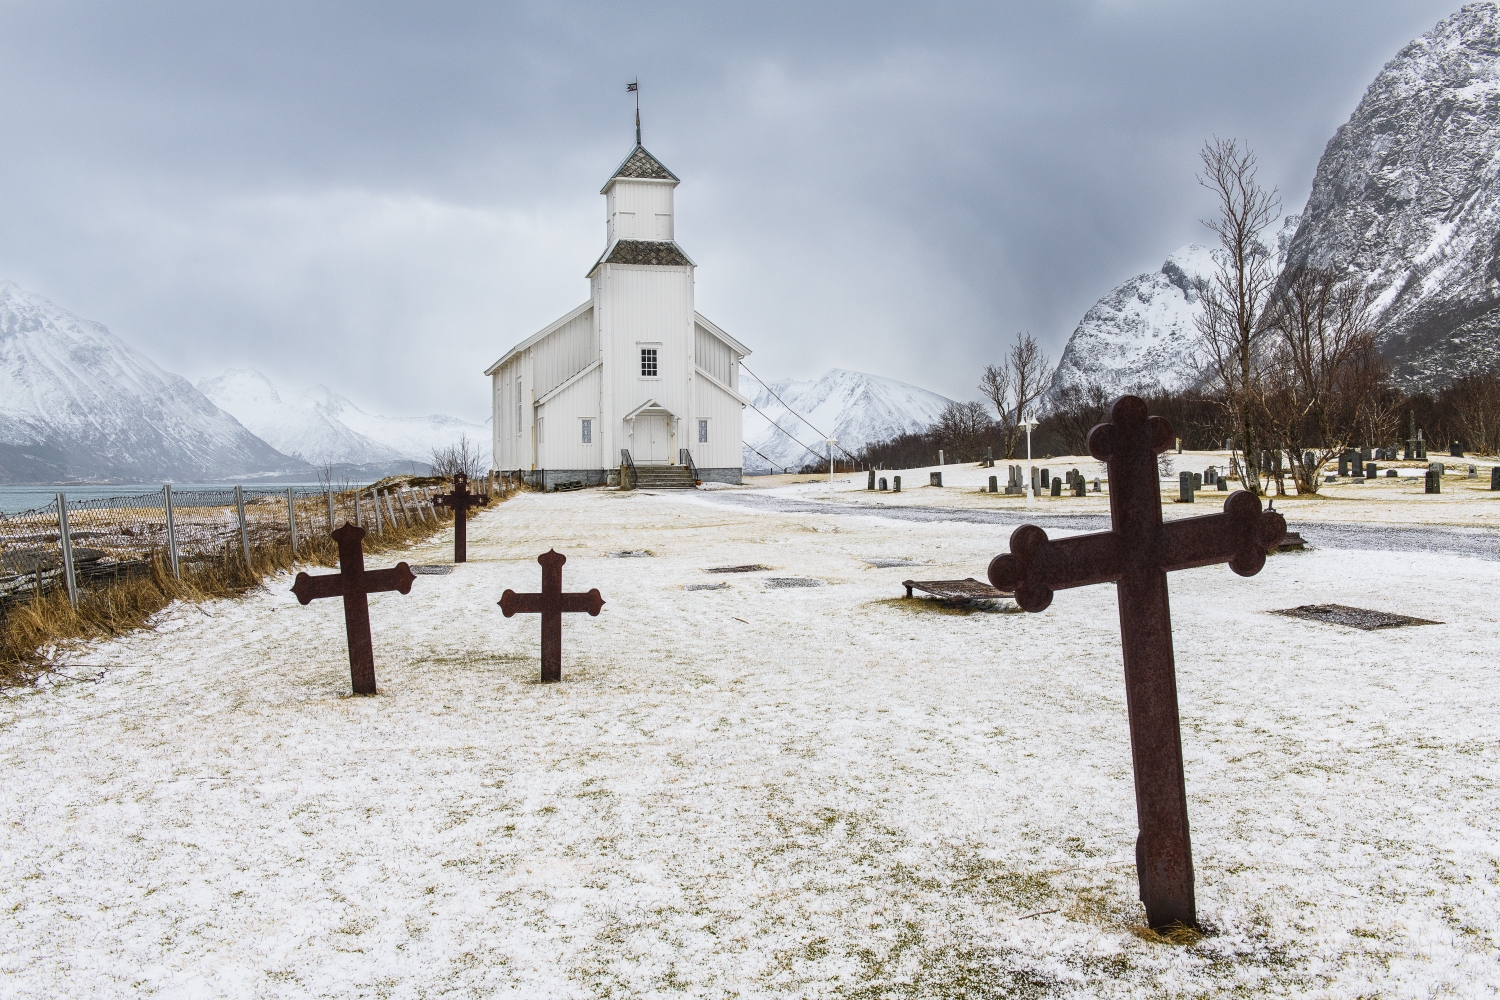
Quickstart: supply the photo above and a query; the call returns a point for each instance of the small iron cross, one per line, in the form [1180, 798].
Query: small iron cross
[353, 583]
[461, 500]
[1137, 555]
[550, 604]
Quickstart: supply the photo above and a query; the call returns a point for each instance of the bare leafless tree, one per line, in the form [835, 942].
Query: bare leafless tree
[1322, 367]
[1229, 326]
[1014, 386]
[1076, 410]
[460, 457]
[961, 430]
[1476, 410]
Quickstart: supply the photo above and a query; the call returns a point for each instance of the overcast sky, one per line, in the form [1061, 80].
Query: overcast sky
[384, 198]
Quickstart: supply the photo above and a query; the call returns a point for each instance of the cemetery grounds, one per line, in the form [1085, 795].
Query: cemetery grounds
[758, 787]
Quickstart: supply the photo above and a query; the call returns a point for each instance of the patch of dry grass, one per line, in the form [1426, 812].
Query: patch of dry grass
[32, 630]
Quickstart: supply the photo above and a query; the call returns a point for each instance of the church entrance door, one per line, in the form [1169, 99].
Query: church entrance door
[652, 444]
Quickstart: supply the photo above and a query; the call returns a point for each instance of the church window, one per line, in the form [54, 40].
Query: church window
[703, 432]
[588, 430]
[648, 362]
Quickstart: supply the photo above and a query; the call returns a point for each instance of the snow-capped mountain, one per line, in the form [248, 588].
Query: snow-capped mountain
[320, 426]
[77, 402]
[1142, 333]
[1407, 195]
[856, 408]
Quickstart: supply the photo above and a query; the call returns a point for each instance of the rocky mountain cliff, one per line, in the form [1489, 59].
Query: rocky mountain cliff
[1407, 195]
[856, 408]
[1140, 334]
[77, 402]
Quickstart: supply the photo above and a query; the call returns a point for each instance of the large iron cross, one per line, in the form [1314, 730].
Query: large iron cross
[1137, 555]
[461, 500]
[550, 604]
[353, 583]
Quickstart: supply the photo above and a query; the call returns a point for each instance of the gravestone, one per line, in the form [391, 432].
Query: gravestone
[1473, 472]
[551, 604]
[871, 484]
[1456, 450]
[934, 479]
[1223, 484]
[1184, 487]
[1364, 454]
[895, 484]
[1096, 485]
[1136, 555]
[1434, 479]
[884, 485]
[1080, 488]
[1392, 474]
[1197, 481]
[989, 459]
[354, 584]
[994, 484]
[1044, 479]
[1056, 486]
[1307, 460]
[1495, 477]
[1370, 470]
[460, 500]
[1210, 476]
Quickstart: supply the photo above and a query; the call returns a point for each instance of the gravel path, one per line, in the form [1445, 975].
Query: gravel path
[1481, 543]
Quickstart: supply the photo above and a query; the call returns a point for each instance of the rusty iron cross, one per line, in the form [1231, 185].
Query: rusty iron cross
[461, 500]
[550, 604]
[354, 583]
[1137, 554]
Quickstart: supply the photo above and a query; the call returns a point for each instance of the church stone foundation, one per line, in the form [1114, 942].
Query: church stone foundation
[734, 476]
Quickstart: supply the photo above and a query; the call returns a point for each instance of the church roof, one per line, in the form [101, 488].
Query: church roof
[640, 165]
[661, 253]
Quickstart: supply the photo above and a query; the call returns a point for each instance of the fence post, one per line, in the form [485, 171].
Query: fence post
[239, 506]
[359, 515]
[291, 516]
[405, 507]
[330, 508]
[375, 502]
[171, 531]
[390, 509]
[66, 539]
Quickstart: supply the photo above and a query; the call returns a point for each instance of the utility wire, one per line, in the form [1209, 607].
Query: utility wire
[794, 413]
[784, 431]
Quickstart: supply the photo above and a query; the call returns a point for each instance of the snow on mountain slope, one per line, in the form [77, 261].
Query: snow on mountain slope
[856, 408]
[77, 402]
[1407, 196]
[318, 425]
[1141, 333]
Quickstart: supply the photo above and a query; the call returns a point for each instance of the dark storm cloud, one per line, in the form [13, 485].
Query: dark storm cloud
[385, 198]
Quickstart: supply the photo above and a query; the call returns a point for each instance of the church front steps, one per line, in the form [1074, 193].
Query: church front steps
[663, 477]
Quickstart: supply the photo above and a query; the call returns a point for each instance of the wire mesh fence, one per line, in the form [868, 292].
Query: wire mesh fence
[85, 543]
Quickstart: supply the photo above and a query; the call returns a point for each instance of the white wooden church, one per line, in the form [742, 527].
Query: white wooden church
[635, 375]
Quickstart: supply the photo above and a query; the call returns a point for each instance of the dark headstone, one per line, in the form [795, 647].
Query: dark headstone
[989, 459]
[1364, 454]
[1495, 477]
[1197, 481]
[1370, 470]
[1434, 481]
[1391, 474]
[1056, 486]
[934, 479]
[1080, 488]
[994, 484]
[871, 486]
[1184, 487]
[1456, 450]
[884, 484]
[1223, 484]
[896, 484]
[1045, 479]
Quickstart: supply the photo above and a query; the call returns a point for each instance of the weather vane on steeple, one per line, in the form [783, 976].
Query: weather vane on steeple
[635, 88]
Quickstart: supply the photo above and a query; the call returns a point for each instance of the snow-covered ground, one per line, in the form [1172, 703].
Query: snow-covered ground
[820, 791]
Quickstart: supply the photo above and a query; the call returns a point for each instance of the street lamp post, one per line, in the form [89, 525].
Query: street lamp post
[1030, 426]
[831, 443]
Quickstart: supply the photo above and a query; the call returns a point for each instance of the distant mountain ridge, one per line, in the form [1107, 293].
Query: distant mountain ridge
[319, 426]
[77, 402]
[856, 408]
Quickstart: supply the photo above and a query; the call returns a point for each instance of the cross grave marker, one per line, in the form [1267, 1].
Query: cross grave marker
[461, 500]
[1136, 554]
[354, 584]
[551, 603]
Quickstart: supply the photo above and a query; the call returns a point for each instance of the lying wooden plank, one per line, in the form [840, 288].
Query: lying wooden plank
[956, 591]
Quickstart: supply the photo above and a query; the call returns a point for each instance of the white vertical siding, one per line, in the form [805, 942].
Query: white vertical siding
[564, 447]
[651, 305]
[713, 355]
[726, 430]
[642, 202]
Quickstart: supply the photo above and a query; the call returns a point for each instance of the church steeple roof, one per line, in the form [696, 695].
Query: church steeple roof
[640, 165]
